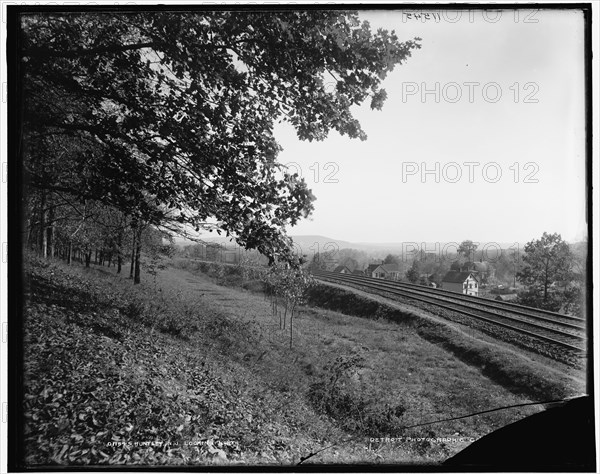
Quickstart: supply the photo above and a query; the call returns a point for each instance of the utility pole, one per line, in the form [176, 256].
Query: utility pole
[515, 262]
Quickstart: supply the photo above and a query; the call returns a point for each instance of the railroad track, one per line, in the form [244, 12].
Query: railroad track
[552, 328]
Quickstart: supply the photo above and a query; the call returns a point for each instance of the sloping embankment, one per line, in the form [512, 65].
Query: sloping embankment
[516, 373]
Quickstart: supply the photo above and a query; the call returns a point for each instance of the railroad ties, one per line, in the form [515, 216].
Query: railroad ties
[553, 329]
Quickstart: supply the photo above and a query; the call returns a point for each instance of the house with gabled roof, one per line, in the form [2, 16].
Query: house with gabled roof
[427, 279]
[342, 269]
[483, 270]
[466, 283]
[387, 271]
[370, 269]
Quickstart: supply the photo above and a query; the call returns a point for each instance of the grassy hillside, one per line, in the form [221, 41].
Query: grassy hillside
[184, 371]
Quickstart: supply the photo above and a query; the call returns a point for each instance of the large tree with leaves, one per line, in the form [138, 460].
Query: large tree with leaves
[467, 249]
[169, 116]
[547, 268]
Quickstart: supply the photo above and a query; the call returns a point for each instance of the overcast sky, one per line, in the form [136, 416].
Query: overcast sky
[522, 116]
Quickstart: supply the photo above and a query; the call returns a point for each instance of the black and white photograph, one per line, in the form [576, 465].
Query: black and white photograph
[299, 237]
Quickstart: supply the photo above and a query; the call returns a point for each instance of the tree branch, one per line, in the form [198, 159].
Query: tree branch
[75, 53]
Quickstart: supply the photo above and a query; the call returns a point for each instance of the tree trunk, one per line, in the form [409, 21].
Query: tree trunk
[546, 282]
[119, 258]
[277, 312]
[42, 234]
[291, 327]
[132, 253]
[53, 241]
[285, 306]
[45, 242]
[88, 258]
[50, 233]
[44, 231]
[29, 233]
[138, 251]
[69, 253]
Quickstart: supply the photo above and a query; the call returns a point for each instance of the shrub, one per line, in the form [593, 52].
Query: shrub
[338, 396]
[350, 303]
[254, 285]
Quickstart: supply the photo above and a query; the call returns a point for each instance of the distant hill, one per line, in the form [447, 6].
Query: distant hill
[309, 244]
[213, 238]
[306, 241]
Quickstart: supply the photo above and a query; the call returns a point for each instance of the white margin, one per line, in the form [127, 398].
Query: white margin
[595, 181]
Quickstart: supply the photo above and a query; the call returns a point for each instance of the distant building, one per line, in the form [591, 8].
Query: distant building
[509, 297]
[358, 272]
[387, 271]
[503, 290]
[427, 279]
[482, 270]
[461, 282]
[341, 269]
[230, 256]
[435, 280]
[370, 269]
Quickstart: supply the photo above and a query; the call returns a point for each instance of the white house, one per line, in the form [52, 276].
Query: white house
[387, 271]
[461, 282]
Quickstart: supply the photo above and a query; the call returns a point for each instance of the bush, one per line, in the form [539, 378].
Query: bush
[254, 285]
[224, 274]
[338, 396]
[165, 314]
[336, 299]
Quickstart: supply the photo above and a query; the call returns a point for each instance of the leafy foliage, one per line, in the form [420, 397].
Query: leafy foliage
[347, 302]
[287, 287]
[158, 255]
[318, 263]
[336, 395]
[169, 116]
[548, 263]
[517, 375]
[467, 249]
[101, 387]
[98, 379]
[412, 274]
